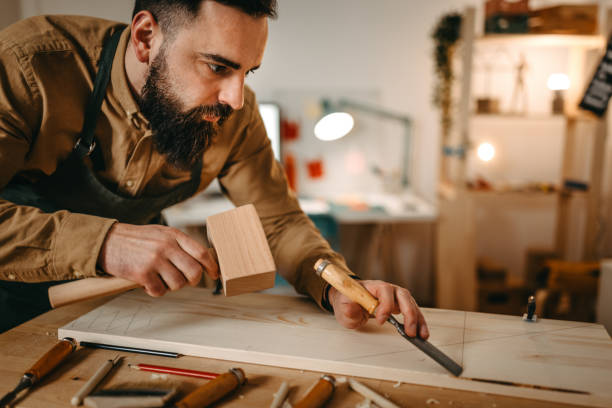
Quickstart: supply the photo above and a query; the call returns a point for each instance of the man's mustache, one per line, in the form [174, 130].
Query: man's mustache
[220, 110]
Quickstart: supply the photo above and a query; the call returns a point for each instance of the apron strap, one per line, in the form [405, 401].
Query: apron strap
[86, 143]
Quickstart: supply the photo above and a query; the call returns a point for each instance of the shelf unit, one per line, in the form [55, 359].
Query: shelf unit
[576, 216]
[544, 40]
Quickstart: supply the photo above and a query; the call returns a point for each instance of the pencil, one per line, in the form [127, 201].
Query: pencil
[174, 370]
[128, 349]
[94, 380]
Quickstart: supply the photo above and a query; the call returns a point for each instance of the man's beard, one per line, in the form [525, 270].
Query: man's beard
[182, 136]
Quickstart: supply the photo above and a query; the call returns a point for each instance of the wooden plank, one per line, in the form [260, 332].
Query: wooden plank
[593, 224]
[573, 358]
[245, 260]
[23, 345]
[465, 98]
[456, 286]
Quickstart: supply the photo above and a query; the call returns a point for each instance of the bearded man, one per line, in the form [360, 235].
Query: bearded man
[102, 126]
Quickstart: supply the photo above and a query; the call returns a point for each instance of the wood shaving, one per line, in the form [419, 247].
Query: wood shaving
[159, 376]
[432, 401]
[397, 384]
[341, 380]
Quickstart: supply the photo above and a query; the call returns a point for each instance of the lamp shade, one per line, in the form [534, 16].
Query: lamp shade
[334, 126]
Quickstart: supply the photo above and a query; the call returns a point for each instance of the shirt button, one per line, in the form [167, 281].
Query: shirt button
[136, 122]
[77, 274]
[129, 183]
[11, 277]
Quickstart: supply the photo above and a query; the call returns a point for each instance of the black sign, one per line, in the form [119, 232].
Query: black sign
[598, 93]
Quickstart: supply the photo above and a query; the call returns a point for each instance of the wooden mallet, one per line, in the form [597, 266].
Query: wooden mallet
[237, 236]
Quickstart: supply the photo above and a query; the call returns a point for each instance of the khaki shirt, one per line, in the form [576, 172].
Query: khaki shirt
[47, 66]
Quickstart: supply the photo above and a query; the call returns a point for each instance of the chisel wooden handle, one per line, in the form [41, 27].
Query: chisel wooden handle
[214, 390]
[72, 292]
[346, 285]
[319, 394]
[52, 359]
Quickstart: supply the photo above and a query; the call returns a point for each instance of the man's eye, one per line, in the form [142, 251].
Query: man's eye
[217, 69]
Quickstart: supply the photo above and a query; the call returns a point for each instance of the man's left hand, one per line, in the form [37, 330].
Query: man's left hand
[393, 299]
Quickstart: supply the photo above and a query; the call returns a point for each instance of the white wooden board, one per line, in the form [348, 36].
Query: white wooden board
[554, 360]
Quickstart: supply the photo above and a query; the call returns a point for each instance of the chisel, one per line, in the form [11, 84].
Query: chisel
[214, 390]
[43, 366]
[358, 294]
[319, 394]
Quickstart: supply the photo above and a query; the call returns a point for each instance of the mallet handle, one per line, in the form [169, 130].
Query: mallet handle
[89, 288]
[346, 285]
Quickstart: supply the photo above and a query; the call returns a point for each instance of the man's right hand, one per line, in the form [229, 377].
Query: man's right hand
[157, 257]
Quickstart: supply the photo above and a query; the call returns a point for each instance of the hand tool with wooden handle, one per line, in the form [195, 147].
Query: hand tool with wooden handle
[246, 264]
[89, 288]
[319, 394]
[358, 294]
[42, 367]
[214, 390]
[93, 382]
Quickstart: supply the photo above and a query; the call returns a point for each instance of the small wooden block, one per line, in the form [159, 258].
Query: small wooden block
[245, 259]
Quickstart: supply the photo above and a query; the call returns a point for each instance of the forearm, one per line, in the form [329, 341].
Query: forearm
[296, 245]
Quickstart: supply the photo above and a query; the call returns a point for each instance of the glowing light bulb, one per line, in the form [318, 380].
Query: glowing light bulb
[486, 152]
[558, 82]
[334, 126]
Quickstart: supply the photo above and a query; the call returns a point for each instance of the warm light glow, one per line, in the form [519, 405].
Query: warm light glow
[334, 126]
[557, 82]
[486, 152]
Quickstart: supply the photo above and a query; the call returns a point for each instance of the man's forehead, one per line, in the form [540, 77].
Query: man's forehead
[229, 33]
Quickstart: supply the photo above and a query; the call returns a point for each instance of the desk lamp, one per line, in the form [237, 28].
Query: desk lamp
[337, 123]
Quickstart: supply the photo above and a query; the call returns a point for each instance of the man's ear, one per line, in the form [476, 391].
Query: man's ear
[146, 33]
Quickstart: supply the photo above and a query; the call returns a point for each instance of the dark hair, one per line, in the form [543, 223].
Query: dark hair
[169, 13]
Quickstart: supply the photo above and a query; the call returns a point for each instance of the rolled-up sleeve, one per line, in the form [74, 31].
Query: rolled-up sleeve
[36, 246]
[252, 175]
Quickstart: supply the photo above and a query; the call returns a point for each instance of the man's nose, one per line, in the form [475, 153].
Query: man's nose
[232, 92]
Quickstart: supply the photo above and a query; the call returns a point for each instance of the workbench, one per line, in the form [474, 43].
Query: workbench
[23, 345]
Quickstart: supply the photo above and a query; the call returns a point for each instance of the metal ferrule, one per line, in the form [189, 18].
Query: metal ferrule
[322, 267]
[329, 379]
[71, 341]
[239, 374]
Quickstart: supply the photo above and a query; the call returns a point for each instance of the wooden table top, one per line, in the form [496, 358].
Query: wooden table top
[23, 345]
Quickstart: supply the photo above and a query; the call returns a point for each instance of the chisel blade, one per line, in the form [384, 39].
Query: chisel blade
[426, 347]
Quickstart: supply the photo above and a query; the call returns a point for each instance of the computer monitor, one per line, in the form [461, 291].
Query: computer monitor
[270, 113]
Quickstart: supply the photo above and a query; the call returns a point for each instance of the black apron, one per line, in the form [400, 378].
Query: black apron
[74, 187]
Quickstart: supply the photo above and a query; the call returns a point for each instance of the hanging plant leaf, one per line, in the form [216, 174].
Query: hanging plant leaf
[446, 34]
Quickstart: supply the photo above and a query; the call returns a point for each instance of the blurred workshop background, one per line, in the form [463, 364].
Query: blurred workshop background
[470, 174]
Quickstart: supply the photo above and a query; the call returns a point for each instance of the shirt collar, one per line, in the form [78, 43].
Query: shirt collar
[119, 79]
